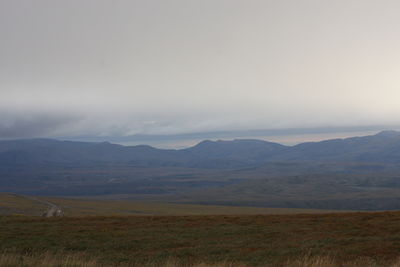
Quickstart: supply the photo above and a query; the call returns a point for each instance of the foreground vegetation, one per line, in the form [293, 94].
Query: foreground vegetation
[80, 260]
[352, 239]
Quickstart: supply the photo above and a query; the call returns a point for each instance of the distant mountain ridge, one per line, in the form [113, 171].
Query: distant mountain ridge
[383, 147]
[351, 173]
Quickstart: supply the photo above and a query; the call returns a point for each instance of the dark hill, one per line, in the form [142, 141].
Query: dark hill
[382, 148]
[351, 173]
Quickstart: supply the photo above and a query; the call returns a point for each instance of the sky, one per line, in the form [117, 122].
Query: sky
[116, 68]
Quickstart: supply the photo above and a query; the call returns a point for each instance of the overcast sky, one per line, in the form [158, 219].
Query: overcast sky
[124, 67]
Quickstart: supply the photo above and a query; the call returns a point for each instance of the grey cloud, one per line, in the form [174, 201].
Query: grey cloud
[34, 125]
[185, 66]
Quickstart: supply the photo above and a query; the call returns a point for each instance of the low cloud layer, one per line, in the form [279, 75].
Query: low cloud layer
[118, 68]
[16, 125]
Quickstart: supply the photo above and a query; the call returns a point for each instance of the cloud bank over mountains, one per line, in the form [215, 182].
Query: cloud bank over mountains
[117, 68]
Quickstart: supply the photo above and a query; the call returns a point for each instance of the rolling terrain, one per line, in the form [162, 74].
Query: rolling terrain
[382, 148]
[12, 204]
[359, 173]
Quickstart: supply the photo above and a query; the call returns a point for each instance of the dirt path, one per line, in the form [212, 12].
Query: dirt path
[52, 211]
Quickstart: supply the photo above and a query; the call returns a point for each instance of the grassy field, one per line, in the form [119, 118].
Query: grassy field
[367, 239]
[14, 204]
[76, 207]
[82, 260]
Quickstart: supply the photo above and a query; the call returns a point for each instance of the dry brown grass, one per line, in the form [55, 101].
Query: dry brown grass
[46, 260]
[14, 204]
[80, 260]
[79, 207]
[348, 239]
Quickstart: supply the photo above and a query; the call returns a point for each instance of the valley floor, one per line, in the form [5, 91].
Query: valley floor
[27, 205]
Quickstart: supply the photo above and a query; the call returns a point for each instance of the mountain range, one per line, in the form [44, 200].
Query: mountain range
[351, 173]
[383, 147]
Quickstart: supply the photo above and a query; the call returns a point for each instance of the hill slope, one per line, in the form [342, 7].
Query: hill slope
[383, 148]
[352, 173]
